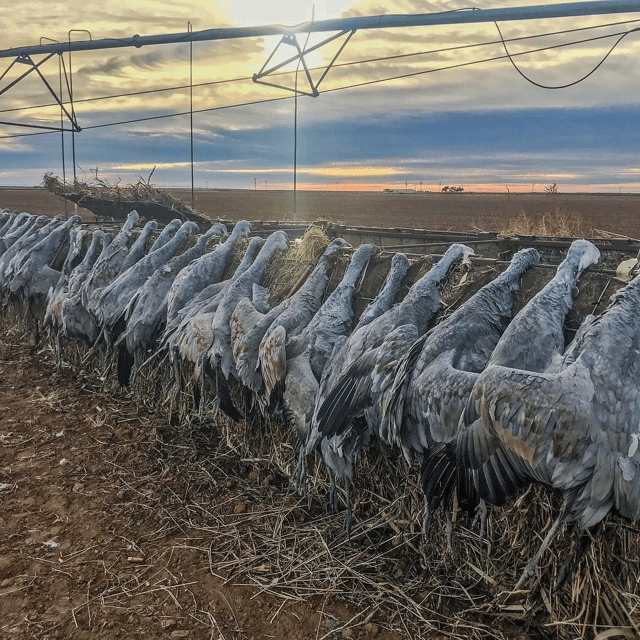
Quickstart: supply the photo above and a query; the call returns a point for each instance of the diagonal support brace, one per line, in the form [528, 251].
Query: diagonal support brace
[26, 59]
[291, 40]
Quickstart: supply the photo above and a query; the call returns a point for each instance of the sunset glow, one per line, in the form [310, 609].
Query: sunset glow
[402, 108]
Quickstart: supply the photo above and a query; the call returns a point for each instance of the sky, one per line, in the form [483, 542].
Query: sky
[441, 121]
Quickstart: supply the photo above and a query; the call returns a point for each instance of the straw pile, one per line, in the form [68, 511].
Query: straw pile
[140, 192]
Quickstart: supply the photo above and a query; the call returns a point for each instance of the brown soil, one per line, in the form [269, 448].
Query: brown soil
[588, 213]
[99, 537]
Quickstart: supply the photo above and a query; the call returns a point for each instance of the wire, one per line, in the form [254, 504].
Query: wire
[351, 86]
[568, 84]
[474, 62]
[149, 118]
[185, 113]
[134, 93]
[337, 65]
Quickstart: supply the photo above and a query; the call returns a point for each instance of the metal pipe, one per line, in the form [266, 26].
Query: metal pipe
[534, 12]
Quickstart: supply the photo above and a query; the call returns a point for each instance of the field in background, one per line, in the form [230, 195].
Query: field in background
[118, 521]
[579, 214]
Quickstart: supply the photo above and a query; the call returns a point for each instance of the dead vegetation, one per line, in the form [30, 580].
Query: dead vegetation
[275, 541]
[250, 528]
[555, 221]
[142, 191]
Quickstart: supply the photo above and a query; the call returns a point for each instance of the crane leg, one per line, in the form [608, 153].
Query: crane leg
[57, 349]
[426, 519]
[348, 518]
[449, 529]
[177, 380]
[426, 528]
[481, 515]
[94, 347]
[571, 564]
[300, 474]
[532, 568]
[333, 494]
[137, 357]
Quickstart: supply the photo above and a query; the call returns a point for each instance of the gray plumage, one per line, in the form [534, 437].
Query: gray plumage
[109, 264]
[188, 337]
[220, 354]
[511, 367]
[61, 290]
[387, 294]
[299, 361]
[249, 326]
[36, 231]
[365, 375]
[21, 226]
[139, 247]
[433, 381]
[34, 275]
[10, 224]
[75, 322]
[147, 310]
[58, 293]
[338, 453]
[99, 244]
[8, 220]
[178, 332]
[204, 271]
[534, 415]
[347, 408]
[351, 347]
[166, 234]
[114, 297]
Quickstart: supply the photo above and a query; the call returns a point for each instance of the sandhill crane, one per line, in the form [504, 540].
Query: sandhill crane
[434, 379]
[34, 275]
[190, 334]
[534, 415]
[365, 371]
[292, 368]
[204, 271]
[109, 263]
[219, 363]
[147, 309]
[114, 297]
[249, 326]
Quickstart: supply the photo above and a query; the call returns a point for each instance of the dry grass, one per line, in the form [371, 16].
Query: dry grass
[556, 221]
[278, 542]
[272, 539]
[141, 191]
[288, 271]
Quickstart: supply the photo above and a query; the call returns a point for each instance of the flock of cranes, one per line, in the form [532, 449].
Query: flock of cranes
[490, 403]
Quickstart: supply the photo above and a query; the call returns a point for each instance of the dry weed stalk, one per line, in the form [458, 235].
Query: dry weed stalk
[557, 221]
[141, 191]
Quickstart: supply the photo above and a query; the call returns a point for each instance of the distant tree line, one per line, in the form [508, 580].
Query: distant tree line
[449, 189]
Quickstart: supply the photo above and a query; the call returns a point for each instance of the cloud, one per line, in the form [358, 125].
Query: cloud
[473, 123]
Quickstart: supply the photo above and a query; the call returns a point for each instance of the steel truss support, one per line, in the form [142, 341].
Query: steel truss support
[292, 40]
[33, 66]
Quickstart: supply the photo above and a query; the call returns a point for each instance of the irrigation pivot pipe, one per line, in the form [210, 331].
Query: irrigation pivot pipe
[534, 12]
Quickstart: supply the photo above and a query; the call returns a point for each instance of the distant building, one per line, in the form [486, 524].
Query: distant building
[398, 191]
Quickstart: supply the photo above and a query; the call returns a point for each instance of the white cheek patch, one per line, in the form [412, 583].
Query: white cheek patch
[633, 447]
